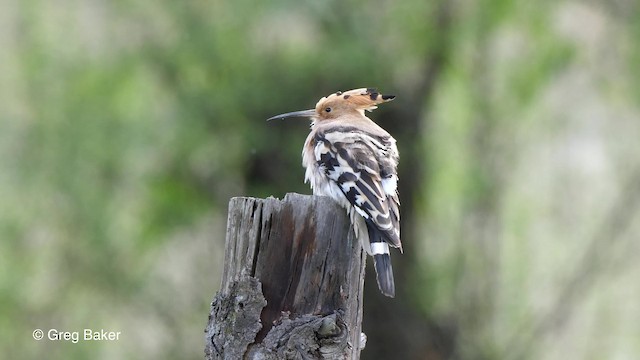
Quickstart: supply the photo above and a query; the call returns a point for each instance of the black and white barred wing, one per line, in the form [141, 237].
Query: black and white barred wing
[364, 169]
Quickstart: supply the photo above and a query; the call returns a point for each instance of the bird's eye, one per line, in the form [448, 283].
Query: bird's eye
[327, 109]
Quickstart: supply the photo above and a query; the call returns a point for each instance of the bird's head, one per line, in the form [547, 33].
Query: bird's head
[341, 103]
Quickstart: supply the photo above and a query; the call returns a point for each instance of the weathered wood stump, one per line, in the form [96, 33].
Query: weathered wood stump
[292, 282]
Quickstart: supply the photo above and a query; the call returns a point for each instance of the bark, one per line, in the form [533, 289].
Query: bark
[292, 282]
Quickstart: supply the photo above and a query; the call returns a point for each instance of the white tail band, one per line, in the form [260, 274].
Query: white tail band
[379, 248]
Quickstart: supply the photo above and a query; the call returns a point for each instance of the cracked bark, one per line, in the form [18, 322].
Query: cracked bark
[292, 282]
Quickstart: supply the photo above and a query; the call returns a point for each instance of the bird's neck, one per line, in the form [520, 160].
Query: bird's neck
[355, 119]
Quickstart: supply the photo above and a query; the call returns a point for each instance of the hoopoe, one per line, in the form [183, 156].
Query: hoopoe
[353, 160]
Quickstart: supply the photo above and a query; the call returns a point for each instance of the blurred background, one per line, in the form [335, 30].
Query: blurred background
[126, 127]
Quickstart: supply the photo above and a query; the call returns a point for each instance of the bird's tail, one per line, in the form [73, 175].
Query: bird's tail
[384, 274]
[382, 261]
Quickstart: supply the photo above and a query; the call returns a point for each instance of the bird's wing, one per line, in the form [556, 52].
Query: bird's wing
[361, 165]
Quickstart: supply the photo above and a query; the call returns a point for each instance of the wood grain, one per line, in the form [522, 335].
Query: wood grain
[292, 282]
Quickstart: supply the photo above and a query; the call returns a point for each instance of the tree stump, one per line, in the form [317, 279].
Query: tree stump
[292, 282]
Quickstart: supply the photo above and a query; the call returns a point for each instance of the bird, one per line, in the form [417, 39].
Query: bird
[353, 160]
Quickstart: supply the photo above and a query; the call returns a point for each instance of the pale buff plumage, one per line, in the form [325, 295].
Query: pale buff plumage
[353, 160]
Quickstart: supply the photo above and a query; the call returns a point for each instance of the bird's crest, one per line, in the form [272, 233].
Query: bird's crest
[358, 99]
[341, 103]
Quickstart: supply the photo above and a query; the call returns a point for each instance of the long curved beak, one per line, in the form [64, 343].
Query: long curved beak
[303, 113]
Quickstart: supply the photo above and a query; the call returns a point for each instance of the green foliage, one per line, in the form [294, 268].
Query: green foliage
[126, 126]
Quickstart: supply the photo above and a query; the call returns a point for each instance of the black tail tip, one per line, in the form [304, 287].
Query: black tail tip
[390, 291]
[388, 97]
[384, 274]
